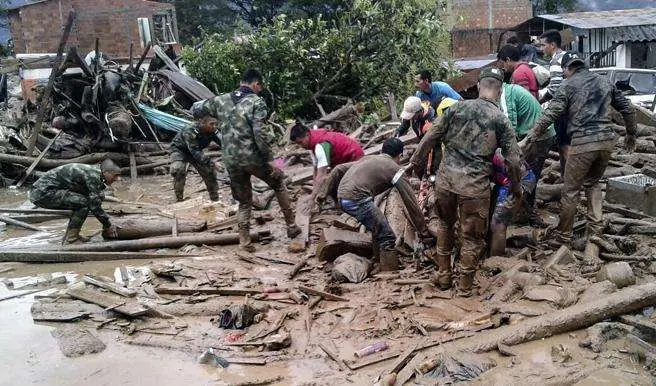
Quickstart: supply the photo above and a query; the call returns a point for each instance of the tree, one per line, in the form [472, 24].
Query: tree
[367, 50]
[554, 6]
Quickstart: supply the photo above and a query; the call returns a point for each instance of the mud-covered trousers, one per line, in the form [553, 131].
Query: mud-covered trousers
[582, 170]
[472, 214]
[65, 199]
[368, 214]
[179, 161]
[242, 190]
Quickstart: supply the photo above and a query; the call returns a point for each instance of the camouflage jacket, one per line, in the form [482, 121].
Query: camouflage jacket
[192, 141]
[86, 180]
[244, 139]
[471, 131]
[586, 98]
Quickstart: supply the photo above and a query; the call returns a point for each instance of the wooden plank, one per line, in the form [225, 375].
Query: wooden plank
[13, 296]
[45, 101]
[36, 211]
[133, 168]
[303, 218]
[38, 159]
[206, 291]
[21, 224]
[112, 287]
[334, 357]
[27, 256]
[325, 295]
[128, 308]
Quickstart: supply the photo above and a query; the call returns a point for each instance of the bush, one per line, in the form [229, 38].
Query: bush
[372, 48]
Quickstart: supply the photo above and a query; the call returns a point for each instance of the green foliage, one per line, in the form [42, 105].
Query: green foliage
[554, 6]
[369, 49]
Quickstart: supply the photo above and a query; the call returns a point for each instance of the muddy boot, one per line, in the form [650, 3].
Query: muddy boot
[389, 260]
[293, 231]
[286, 207]
[466, 284]
[73, 236]
[245, 240]
[214, 196]
[442, 278]
[178, 187]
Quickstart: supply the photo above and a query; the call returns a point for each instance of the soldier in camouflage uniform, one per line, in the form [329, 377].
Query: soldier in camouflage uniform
[470, 131]
[585, 98]
[77, 187]
[187, 148]
[247, 151]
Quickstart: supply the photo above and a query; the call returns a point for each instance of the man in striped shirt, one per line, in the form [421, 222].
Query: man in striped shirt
[550, 42]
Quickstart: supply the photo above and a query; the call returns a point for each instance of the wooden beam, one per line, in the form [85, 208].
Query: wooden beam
[54, 256]
[45, 101]
[120, 305]
[38, 159]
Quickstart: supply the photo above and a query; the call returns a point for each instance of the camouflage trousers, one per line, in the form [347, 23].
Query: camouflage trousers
[583, 170]
[179, 161]
[64, 199]
[242, 190]
[472, 214]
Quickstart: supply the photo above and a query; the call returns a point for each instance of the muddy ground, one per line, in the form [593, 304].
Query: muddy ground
[164, 351]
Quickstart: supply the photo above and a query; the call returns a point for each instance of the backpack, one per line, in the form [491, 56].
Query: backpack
[541, 74]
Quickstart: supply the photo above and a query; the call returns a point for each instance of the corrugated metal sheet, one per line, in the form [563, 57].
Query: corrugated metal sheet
[638, 33]
[606, 19]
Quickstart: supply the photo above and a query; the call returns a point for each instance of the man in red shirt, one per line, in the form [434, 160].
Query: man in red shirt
[329, 149]
[522, 74]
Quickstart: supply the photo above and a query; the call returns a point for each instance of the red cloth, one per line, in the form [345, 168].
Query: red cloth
[343, 148]
[524, 76]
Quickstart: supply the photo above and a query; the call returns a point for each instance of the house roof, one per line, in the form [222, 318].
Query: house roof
[21, 4]
[637, 33]
[606, 19]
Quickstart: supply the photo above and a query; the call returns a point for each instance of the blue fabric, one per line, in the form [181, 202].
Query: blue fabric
[439, 91]
[503, 209]
[163, 120]
[373, 219]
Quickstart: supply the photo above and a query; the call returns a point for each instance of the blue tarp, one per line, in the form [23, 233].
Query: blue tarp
[163, 120]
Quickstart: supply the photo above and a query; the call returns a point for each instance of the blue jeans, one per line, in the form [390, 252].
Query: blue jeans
[373, 219]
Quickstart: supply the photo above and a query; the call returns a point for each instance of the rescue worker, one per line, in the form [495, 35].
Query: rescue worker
[356, 185]
[520, 72]
[585, 98]
[523, 111]
[416, 114]
[433, 92]
[187, 148]
[77, 187]
[470, 131]
[247, 151]
[550, 42]
[329, 149]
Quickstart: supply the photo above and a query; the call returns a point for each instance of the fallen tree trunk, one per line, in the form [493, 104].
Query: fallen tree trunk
[94, 158]
[132, 228]
[627, 300]
[164, 242]
[26, 256]
[336, 242]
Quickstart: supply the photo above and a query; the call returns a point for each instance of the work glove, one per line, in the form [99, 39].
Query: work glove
[110, 232]
[630, 143]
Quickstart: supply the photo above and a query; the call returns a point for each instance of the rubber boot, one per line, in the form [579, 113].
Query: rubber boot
[286, 207]
[214, 196]
[73, 236]
[442, 278]
[465, 284]
[389, 260]
[245, 240]
[498, 240]
[178, 187]
[293, 231]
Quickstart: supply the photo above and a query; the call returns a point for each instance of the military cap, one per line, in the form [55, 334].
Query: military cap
[491, 72]
[570, 58]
